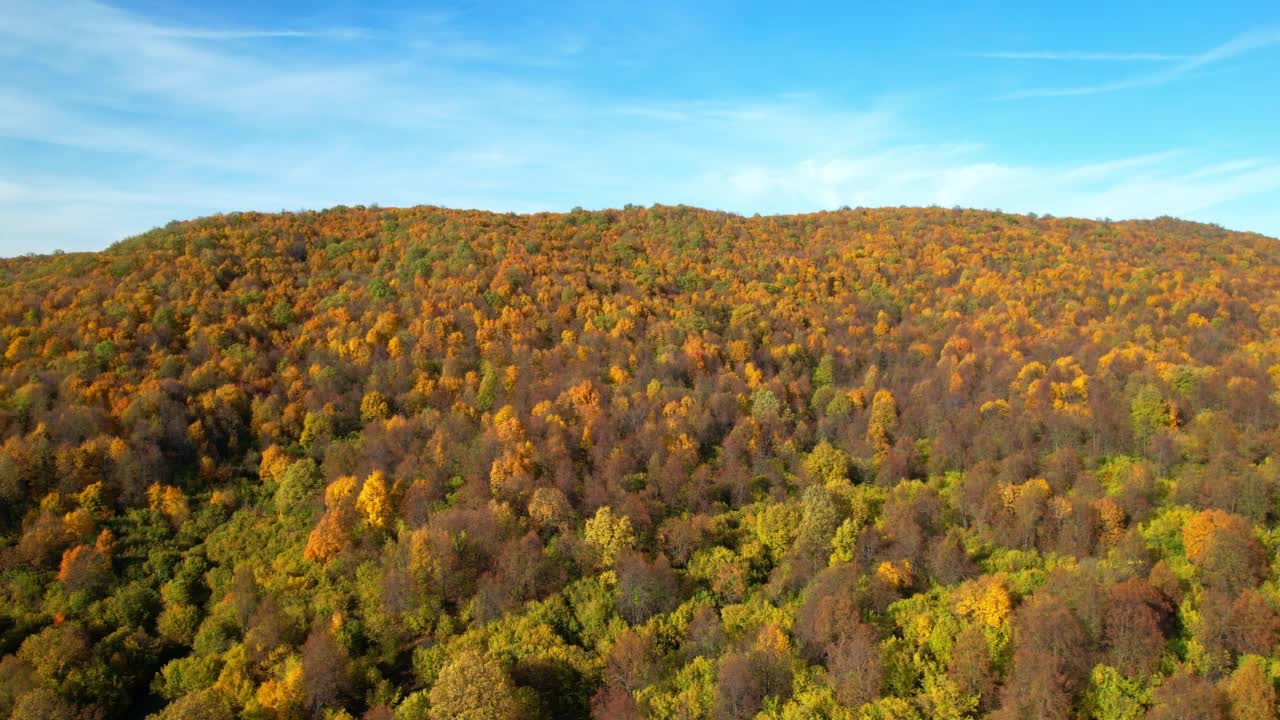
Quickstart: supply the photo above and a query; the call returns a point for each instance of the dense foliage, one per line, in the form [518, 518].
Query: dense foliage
[649, 462]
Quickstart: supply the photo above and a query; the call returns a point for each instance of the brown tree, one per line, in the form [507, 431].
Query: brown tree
[1184, 696]
[970, 667]
[1250, 692]
[1133, 627]
[325, 668]
[854, 665]
[738, 691]
[644, 587]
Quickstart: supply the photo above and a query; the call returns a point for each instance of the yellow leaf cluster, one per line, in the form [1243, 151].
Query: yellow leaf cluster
[985, 600]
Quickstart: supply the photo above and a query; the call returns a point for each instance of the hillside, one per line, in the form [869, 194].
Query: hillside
[651, 462]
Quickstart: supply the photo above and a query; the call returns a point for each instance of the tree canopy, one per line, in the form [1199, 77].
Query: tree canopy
[650, 462]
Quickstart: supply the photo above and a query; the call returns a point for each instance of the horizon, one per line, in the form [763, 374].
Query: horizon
[624, 208]
[121, 117]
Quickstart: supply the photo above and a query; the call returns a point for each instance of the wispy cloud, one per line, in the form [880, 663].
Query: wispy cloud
[1113, 168]
[248, 34]
[1239, 45]
[1081, 56]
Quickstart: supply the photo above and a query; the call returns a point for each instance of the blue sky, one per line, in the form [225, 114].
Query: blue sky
[118, 117]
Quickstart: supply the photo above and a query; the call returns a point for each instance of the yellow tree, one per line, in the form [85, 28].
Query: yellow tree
[883, 421]
[170, 502]
[274, 462]
[473, 687]
[374, 502]
[374, 407]
[984, 600]
[609, 534]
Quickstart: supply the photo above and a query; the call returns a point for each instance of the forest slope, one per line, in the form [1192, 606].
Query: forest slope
[659, 462]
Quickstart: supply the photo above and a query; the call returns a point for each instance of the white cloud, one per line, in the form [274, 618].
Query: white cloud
[1110, 168]
[1247, 42]
[198, 34]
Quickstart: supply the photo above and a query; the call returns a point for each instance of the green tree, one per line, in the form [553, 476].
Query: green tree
[826, 463]
[609, 534]
[765, 404]
[487, 393]
[1147, 414]
[316, 427]
[297, 488]
[104, 352]
[1112, 696]
[825, 373]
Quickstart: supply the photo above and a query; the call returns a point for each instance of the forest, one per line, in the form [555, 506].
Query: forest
[652, 462]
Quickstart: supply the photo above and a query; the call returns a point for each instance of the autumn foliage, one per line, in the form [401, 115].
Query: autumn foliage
[649, 462]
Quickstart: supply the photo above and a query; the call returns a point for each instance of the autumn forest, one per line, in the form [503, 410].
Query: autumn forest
[429, 464]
